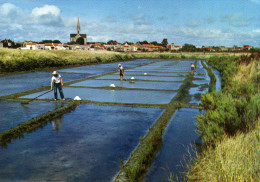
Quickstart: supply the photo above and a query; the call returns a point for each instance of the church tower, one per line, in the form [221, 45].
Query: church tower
[78, 38]
[78, 27]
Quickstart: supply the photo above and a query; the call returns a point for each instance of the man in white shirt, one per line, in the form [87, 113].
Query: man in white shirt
[121, 70]
[57, 81]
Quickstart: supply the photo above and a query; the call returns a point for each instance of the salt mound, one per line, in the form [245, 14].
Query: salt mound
[77, 98]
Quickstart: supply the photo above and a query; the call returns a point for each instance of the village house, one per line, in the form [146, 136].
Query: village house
[223, 48]
[247, 47]
[173, 47]
[237, 48]
[135, 47]
[40, 46]
[150, 47]
[29, 45]
[126, 47]
[208, 48]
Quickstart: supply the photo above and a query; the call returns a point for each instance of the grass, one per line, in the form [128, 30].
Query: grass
[12, 60]
[233, 159]
[16, 60]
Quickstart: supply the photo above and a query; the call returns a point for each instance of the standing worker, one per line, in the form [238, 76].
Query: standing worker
[57, 81]
[192, 68]
[121, 70]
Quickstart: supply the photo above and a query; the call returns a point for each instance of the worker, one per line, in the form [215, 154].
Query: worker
[57, 82]
[121, 70]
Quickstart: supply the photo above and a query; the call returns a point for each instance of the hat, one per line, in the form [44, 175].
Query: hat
[54, 72]
[119, 64]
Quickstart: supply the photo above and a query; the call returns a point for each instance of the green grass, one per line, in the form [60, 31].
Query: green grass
[14, 60]
[233, 159]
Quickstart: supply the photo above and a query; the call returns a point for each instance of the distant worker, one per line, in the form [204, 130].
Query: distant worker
[121, 70]
[57, 81]
[192, 68]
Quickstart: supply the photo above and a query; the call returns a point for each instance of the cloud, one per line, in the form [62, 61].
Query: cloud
[110, 19]
[236, 20]
[255, 1]
[193, 24]
[162, 17]
[141, 20]
[210, 20]
[47, 15]
[10, 12]
[9, 9]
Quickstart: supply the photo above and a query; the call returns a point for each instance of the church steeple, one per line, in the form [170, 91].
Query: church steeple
[78, 27]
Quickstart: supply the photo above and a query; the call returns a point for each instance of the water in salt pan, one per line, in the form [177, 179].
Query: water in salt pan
[15, 83]
[118, 96]
[152, 78]
[127, 84]
[13, 113]
[84, 145]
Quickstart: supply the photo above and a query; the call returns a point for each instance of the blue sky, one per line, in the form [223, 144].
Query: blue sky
[198, 22]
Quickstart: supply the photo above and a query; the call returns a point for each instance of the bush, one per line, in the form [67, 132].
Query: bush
[236, 109]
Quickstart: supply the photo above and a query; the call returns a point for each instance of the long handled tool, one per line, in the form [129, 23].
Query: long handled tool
[35, 97]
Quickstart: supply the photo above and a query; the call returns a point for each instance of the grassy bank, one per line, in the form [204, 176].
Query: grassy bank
[181, 55]
[230, 125]
[16, 60]
[27, 60]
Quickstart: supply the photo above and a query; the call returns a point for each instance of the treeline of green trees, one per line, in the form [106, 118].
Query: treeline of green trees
[50, 41]
[236, 108]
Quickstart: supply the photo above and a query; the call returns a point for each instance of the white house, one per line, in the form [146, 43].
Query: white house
[29, 45]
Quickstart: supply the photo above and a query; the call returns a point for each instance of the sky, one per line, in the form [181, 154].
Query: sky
[197, 22]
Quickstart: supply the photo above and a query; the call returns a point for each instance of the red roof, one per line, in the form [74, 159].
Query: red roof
[30, 43]
[48, 44]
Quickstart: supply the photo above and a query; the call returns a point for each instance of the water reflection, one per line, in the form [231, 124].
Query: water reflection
[57, 123]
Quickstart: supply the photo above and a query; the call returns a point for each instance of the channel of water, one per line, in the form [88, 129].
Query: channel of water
[178, 141]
